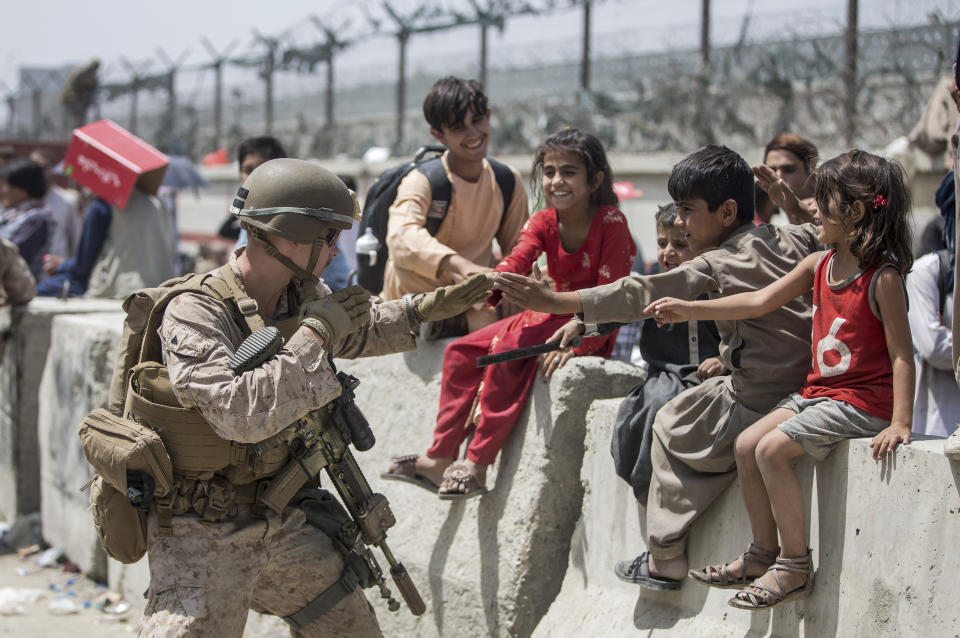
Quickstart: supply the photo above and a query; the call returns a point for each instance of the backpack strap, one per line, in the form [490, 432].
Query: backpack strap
[441, 191]
[227, 287]
[507, 182]
[222, 285]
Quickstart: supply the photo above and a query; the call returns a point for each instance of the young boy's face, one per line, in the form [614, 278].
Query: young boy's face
[701, 227]
[672, 248]
[467, 140]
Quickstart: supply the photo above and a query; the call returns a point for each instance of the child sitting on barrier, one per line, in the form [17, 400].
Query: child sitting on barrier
[862, 380]
[692, 444]
[587, 242]
[677, 357]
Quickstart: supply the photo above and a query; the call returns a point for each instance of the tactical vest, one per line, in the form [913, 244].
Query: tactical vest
[210, 473]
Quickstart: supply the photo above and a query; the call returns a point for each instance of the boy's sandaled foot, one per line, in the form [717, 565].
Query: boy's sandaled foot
[638, 573]
[459, 482]
[404, 468]
[772, 592]
[733, 575]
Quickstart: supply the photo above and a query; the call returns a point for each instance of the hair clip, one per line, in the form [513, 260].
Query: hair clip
[879, 201]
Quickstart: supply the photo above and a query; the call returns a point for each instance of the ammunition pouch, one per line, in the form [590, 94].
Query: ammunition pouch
[197, 452]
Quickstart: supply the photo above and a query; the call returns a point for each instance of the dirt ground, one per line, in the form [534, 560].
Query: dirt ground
[32, 597]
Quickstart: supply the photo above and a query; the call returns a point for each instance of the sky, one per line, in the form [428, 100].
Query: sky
[74, 32]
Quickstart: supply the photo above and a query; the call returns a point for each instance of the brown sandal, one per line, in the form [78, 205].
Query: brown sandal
[759, 596]
[722, 577]
[459, 483]
[404, 468]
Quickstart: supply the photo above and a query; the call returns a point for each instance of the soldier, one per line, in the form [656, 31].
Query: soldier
[16, 285]
[214, 552]
[16, 282]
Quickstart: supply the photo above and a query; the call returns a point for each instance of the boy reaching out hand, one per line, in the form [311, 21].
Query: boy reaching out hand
[692, 450]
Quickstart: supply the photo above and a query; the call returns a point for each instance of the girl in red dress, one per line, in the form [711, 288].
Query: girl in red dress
[587, 243]
[862, 378]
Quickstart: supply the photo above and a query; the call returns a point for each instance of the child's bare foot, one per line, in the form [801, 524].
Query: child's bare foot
[756, 559]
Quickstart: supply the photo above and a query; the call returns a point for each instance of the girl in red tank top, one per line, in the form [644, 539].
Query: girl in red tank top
[861, 379]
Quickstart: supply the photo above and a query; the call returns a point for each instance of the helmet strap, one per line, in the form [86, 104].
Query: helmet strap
[303, 275]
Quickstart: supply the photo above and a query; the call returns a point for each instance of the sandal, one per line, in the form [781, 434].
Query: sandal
[638, 573]
[404, 468]
[759, 596]
[459, 483]
[722, 577]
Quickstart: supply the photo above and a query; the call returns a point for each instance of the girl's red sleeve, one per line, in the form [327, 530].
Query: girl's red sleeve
[529, 247]
[617, 252]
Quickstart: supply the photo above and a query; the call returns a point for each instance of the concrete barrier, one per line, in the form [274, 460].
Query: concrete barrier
[489, 565]
[883, 534]
[23, 362]
[535, 555]
[76, 380]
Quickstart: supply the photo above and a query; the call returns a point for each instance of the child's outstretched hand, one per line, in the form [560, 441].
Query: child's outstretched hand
[887, 441]
[532, 293]
[668, 310]
[550, 361]
[566, 333]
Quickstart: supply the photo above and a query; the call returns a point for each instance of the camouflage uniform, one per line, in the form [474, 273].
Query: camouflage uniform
[17, 285]
[204, 577]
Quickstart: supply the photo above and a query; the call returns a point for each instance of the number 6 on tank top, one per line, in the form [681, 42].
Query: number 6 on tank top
[830, 343]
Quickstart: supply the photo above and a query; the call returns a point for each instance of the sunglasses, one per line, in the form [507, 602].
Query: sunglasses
[333, 234]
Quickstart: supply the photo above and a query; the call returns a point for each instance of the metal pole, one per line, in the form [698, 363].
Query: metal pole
[483, 53]
[401, 85]
[172, 102]
[704, 36]
[217, 104]
[703, 125]
[585, 60]
[329, 96]
[268, 79]
[850, 79]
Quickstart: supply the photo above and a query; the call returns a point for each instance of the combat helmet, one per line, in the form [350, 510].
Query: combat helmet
[296, 200]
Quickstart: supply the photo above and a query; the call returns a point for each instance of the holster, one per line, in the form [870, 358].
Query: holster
[325, 513]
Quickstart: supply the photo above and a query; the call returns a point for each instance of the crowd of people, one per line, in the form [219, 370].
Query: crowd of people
[762, 341]
[76, 243]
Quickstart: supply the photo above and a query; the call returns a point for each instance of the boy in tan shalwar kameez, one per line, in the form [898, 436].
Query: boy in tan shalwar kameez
[693, 455]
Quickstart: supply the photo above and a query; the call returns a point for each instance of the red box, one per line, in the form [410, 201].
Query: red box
[109, 160]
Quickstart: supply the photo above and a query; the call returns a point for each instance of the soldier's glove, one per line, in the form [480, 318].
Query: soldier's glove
[337, 315]
[450, 301]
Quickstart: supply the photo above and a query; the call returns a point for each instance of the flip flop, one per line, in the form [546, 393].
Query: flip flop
[458, 475]
[411, 477]
[638, 573]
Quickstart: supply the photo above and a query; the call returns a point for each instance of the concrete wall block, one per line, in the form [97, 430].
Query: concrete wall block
[22, 367]
[76, 380]
[870, 580]
[487, 565]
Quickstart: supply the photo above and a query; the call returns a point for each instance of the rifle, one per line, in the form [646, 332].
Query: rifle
[321, 441]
